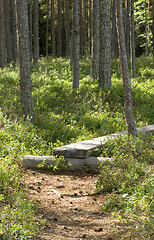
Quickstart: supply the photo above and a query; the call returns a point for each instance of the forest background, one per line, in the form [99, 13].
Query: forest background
[61, 112]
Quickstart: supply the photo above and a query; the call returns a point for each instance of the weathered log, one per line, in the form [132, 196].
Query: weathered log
[31, 161]
[85, 148]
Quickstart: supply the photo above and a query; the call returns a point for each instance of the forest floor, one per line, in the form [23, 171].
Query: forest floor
[70, 207]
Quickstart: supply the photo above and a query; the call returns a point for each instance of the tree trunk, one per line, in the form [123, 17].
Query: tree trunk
[76, 44]
[125, 74]
[47, 30]
[127, 19]
[84, 28]
[3, 53]
[89, 25]
[113, 35]
[30, 28]
[81, 28]
[24, 58]
[133, 65]
[53, 45]
[35, 32]
[153, 24]
[105, 45]
[67, 27]
[13, 29]
[59, 28]
[146, 30]
[8, 31]
[95, 40]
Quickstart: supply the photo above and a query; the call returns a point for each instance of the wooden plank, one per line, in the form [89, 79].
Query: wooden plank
[85, 148]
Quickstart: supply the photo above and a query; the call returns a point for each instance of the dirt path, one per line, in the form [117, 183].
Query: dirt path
[69, 208]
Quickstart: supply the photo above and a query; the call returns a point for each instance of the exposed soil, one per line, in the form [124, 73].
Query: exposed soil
[70, 208]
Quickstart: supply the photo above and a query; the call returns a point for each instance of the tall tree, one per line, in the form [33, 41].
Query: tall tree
[47, 30]
[24, 58]
[89, 24]
[35, 32]
[76, 44]
[153, 24]
[128, 100]
[59, 28]
[53, 44]
[3, 53]
[81, 28]
[67, 27]
[30, 28]
[127, 21]
[84, 27]
[113, 35]
[133, 65]
[95, 40]
[105, 45]
[8, 33]
[13, 29]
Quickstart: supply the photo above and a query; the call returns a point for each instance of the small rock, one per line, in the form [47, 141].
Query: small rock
[97, 229]
[60, 186]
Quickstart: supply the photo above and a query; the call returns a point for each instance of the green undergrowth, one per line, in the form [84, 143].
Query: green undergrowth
[130, 181]
[61, 116]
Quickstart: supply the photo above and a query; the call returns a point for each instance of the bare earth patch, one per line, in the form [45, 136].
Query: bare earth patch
[69, 207]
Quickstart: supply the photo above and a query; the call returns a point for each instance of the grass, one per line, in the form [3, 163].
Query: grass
[62, 116]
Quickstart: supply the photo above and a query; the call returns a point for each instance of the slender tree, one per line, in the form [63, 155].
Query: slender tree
[24, 58]
[133, 65]
[95, 40]
[3, 53]
[53, 43]
[13, 29]
[84, 27]
[127, 20]
[81, 28]
[67, 27]
[8, 33]
[35, 32]
[113, 34]
[59, 28]
[47, 30]
[153, 24]
[30, 28]
[89, 24]
[105, 45]
[76, 44]
[128, 100]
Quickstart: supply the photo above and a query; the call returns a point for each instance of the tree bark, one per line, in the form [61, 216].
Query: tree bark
[53, 45]
[105, 45]
[89, 25]
[113, 35]
[84, 28]
[128, 100]
[47, 30]
[59, 28]
[67, 27]
[81, 28]
[13, 29]
[30, 28]
[8, 33]
[95, 40]
[24, 58]
[133, 65]
[127, 19]
[3, 52]
[153, 24]
[76, 44]
[35, 32]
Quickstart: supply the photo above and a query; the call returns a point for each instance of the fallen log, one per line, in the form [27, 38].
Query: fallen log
[31, 161]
